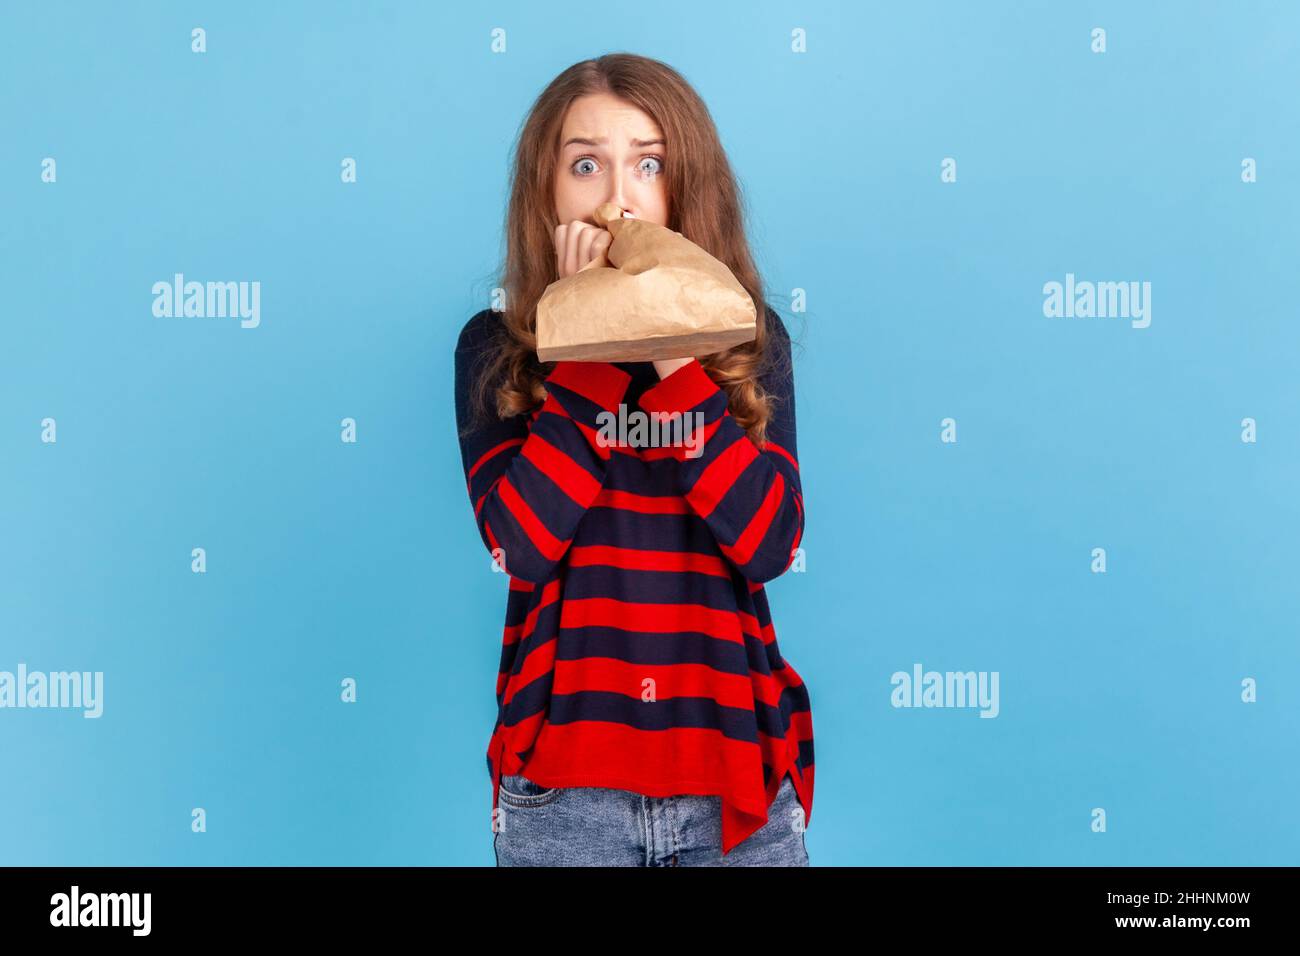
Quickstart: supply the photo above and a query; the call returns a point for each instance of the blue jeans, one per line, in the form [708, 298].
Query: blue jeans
[599, 826]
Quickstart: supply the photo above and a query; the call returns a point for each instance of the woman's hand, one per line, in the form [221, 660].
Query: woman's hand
[578, 243]
[666, 367]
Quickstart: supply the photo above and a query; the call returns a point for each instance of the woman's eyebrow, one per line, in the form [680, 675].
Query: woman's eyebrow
[584, 141]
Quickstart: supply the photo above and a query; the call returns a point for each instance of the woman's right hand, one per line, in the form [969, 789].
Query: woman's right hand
[578, 243]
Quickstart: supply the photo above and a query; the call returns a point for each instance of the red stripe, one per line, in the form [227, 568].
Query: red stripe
[551, 547]
[517, 632]
[670, 680]
[767, 688]
[574, 481]
[655, 618]
[681, 391]
[594, 439]
[773, 446]
[478, 505]
[749, 624]
[491, 452]
[720, 475]
[743, 550]
[644, 504]
[634, 559]
[539, 662]
[601, 382]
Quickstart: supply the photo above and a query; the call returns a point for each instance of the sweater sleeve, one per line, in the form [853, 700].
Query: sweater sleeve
[751, 499]
[531, 482]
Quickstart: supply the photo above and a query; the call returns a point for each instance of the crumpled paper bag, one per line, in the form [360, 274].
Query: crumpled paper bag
[653, 295]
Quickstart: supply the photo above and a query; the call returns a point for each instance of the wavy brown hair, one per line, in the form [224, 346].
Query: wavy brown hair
[703, 204]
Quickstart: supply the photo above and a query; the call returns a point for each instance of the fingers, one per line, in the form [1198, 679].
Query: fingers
[585, 238]
[576, 244]
[565, 236]
[579, 243]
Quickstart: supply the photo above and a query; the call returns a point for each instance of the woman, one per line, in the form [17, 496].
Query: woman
[646, 716]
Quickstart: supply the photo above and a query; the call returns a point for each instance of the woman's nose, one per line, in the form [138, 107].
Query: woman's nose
[618, 188]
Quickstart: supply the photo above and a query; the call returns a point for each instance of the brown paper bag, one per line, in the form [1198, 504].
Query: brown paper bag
[653, 295]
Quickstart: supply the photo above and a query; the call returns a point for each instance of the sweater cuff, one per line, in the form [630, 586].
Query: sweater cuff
[681, 391]
[599, 382]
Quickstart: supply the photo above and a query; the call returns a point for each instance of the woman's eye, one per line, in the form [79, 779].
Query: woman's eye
[650, 166]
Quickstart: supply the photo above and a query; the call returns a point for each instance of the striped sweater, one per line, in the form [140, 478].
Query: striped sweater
[639, 651]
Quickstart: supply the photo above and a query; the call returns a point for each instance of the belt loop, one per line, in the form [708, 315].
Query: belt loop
[649, 831]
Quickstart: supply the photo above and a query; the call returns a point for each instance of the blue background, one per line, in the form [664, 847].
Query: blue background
[326, 560]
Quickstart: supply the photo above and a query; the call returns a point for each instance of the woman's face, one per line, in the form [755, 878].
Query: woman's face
[610, 151]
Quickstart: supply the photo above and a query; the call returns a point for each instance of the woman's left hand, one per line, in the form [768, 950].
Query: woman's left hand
[666, 367]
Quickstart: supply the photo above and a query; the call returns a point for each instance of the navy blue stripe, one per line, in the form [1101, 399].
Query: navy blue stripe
[735, 723]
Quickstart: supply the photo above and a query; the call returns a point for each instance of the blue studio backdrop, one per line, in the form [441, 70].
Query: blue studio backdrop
[1084, 494]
